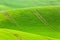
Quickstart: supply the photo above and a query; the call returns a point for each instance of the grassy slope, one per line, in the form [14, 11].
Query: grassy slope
[29, 3]
[28, 22]
[18, 35]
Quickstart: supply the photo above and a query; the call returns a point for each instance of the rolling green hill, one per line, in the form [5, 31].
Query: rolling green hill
[43, 21]
[29, 19]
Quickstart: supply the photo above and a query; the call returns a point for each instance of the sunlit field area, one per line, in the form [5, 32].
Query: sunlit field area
[29, 19]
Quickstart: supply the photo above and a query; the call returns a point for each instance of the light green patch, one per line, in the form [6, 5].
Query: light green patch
[10, 35]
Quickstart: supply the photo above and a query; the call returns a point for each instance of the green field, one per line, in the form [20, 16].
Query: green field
[29, 19]
[25, 20]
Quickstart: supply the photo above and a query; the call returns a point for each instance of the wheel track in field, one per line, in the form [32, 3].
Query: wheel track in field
[43, 20]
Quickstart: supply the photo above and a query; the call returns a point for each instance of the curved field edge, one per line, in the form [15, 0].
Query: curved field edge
[28, 22]
[8, 34]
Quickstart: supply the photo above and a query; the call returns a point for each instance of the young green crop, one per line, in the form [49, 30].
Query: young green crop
[25, 20]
